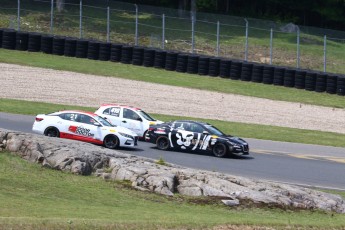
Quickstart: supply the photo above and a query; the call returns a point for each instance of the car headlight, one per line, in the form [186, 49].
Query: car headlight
[234, 144]
[126, 135]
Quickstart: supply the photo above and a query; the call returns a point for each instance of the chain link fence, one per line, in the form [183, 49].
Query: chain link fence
[226, 36]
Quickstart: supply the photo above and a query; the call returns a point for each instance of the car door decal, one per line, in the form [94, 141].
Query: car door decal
[197, 141]
[184, 139]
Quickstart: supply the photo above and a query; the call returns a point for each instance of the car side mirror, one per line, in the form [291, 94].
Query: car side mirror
[97, 124]
[205, 132]
[139, 119]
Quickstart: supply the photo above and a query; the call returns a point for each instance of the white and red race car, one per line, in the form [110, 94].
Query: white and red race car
[84, 126]
[130, 117]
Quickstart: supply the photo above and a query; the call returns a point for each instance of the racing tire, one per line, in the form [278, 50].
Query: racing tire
[52, 132]
[111, 142]
[163, 143]
[220, 150]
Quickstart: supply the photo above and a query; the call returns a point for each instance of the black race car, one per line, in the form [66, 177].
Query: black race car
[195, 136]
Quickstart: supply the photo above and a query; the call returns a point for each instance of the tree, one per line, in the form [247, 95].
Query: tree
[60, 5]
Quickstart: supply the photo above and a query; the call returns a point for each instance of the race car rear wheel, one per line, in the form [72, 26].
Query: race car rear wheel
[52, 132]
[111, 142]
[163, 143]
[220, 150]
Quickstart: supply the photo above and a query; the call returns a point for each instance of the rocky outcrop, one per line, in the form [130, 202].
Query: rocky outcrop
[145, 174]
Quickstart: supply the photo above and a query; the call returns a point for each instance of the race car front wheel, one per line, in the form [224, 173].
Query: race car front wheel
[220, 150]
[52, 132]
[111, 142]
[163, 143]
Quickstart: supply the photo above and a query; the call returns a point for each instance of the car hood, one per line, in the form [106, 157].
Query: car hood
[121, 130]
[235, 140]
[156, 122]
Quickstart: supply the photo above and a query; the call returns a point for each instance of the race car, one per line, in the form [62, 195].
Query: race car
[130, 117]
[195, 136]
[84, 126]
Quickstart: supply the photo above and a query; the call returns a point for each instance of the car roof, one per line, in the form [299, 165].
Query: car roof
[78, 111]
[191, 121]
[124, 106]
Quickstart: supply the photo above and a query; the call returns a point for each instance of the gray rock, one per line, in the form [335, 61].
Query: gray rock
[289, 28]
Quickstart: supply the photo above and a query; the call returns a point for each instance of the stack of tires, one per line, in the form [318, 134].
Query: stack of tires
[268, 74]
[310, 81]
[246, 71]
[171, 61]
[138, 56]
[235, 70]
[214, 67]
[320, 82]
[149, 57]
[159, 61]
[278, 76]
[104, 51]
[341, 85]
[47, 44]
[22, 39]
[224, 68]
[1, 31]
[9, 39]
[203, 65]
[331, 86]
[59, 45]
[126, 54]
[93, 50]
[192, 64]
[34, 43]
[70, 47]
[115, 52]
[257, 75]
[181, 63]
[300, 79]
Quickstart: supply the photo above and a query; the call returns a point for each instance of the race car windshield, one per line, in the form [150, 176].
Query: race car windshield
[103, 121]
[145, 115]
[214, 131]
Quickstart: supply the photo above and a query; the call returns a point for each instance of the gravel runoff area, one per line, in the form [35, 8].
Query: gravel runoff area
[63, 87]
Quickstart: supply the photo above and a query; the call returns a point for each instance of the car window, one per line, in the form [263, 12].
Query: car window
[130, 114]
[113, 111]
[195, 128]
[86, 119]
[69, 116]
[178, 125]
[145, 115]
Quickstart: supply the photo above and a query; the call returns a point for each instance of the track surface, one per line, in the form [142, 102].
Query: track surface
[309, 165]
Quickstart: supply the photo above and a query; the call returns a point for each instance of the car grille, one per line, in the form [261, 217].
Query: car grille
[245, 148]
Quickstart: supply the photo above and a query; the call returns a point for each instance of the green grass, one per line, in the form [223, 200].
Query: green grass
[33, 197]
[235, 128]
[173, 78]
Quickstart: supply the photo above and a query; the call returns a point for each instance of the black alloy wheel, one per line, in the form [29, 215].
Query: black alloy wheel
[111, 142]
[52, 132]
[163, 143]
[220, 150]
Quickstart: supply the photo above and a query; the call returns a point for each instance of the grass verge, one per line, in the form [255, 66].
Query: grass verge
[238, 129]
[32, 197]
[173, 78]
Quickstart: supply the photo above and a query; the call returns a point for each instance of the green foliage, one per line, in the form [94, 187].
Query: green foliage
[161, 161]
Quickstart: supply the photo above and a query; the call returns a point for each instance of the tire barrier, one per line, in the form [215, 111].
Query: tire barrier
[278, 76]
[138, 56]
[126, 54]
[70, 47]
[47, 44]
[59, 45]
[331, 86]
[341, 85]
[192, 64]
[257, 74]
[81, 48]
[213, 67]
[149, 56]
[34, 42]
[310, 81]
[1, 31]
[104, 51]
[171, 61]
[115, 52]
[9, 39]
[224, 68]
[321, 81]
[300, 79]
[235, 70]
[203, 65]
[22, 39]
[181, 63]
[268, 73]
[174, 61]
[93, 50]
[159, 60]
[246, 71]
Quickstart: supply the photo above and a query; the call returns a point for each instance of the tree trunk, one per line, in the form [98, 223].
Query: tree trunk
[60, 5]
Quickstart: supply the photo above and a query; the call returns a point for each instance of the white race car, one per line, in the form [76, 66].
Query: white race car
[130, 117]
[84, 126]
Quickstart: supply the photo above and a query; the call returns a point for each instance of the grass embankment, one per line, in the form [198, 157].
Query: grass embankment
[32, 197]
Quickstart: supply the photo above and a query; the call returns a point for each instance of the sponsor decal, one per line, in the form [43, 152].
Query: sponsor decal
[80, 130]
[112, 130]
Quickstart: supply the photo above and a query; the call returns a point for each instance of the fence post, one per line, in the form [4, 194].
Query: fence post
[271, 46]
[18, 16]
[298, 54]
[163, 31]
[108, 24]
[218, 30]
[136, 24]
[246, 45]
[81, 19]
[51, 15]
[324, 53]
[193, 33]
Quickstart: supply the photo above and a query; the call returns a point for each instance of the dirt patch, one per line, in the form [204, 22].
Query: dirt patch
[62, 87]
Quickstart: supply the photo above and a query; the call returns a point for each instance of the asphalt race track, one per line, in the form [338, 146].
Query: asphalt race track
[307, 165]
